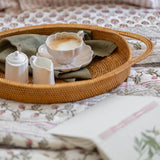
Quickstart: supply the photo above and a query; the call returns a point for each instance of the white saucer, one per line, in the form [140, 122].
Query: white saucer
[82, 60]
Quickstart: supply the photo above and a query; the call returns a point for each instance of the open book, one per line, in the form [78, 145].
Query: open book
[120, 127]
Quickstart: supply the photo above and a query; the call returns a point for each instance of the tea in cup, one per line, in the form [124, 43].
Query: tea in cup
[65, 46]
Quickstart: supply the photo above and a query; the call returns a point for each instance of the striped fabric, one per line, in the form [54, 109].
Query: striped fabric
[7, 4]
[30, 4]
[144, 3]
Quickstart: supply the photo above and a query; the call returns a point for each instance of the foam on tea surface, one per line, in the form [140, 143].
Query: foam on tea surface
[64, 44]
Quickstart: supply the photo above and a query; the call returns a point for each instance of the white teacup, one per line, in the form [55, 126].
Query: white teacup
[43, 72]
[65, 46]
[16, 67]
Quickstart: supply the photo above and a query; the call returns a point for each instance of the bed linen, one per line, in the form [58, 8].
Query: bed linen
[29, 4]
[23, 126]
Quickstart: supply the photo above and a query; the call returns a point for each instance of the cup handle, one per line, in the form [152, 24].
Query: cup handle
[32, 59]
[80, 34]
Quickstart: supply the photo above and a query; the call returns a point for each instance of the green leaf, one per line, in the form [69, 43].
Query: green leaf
[151, 141]
[137, 149]
[137, 141]
[150, 153]
[143, 146]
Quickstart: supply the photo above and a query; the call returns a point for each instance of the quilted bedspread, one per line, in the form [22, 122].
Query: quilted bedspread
[23, 126]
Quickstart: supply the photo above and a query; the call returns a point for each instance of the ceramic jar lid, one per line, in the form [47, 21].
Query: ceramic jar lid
[16, 57]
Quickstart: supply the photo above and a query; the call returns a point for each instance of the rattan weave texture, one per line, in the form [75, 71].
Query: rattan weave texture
[107, 73]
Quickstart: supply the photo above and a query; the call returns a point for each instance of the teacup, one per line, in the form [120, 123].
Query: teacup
[65, 46]
[43, 72]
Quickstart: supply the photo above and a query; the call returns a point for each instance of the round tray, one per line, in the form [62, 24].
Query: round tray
[107, 73]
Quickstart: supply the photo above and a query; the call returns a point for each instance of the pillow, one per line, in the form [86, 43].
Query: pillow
[10, 6]
[6, 4]
[144, 3]
[31, 4]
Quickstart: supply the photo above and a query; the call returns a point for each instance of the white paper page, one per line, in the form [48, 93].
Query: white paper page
[103, 116]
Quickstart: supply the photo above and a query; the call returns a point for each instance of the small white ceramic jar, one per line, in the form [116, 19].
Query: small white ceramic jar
[16, 67]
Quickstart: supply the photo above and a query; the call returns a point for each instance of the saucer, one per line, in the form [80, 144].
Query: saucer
[82, 60]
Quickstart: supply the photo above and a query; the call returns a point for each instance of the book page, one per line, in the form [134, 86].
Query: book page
[112, 125]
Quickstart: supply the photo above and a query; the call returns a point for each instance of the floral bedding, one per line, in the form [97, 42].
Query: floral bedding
[23, 127]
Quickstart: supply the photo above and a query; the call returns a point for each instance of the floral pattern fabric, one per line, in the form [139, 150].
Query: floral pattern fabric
[111, 15]
[23, 127]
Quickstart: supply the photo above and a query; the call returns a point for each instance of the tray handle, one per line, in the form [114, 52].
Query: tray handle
[145, 40]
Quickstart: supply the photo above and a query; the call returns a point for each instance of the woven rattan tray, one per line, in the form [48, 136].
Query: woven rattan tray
[107, 73]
